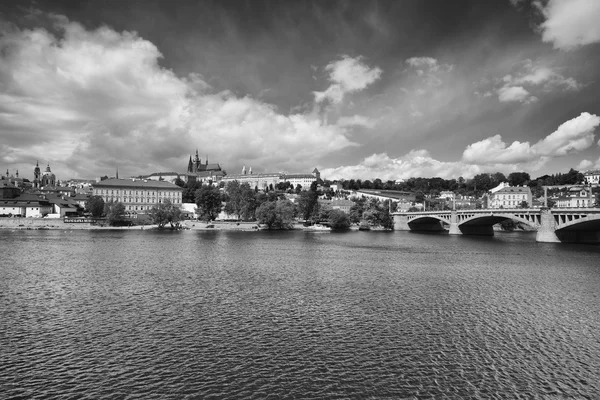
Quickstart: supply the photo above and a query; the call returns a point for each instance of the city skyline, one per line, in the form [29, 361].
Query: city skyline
[378, 89]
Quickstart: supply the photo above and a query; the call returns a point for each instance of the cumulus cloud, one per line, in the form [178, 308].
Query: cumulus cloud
[414, 163]
[587, 164]
[89, 100]
[572, 136]
[528, 76]
[570, 23]
[346, 76]
[488, 155]
[513, 93]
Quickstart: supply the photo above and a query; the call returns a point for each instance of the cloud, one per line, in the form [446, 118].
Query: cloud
[572, 136]
[570, 23]
[356, 120]
[347, 75]
[89, 100]
[586, 164]
[528, 76]
[513, 93]
[488, 155]
[414, 163]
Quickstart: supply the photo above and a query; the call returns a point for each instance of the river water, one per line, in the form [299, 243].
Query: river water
[257, 315]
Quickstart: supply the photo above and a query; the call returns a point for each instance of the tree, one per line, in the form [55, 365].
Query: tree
[276, 214]
[308, 204]
[115, 212]
[164, 213]
[208, 200]
[179, 182]
[518, 178]
[524, 204]
[338, 220]
[95, 206]
[356, 211]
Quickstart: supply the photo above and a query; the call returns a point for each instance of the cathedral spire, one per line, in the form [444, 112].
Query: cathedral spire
[117, 175]
[190, 165]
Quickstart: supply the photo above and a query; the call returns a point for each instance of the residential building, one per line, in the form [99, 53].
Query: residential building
[26, 205]
[509, 197]
[592, 177]
[447, 195]
[576, 197]
[138, 195]
[341, 204]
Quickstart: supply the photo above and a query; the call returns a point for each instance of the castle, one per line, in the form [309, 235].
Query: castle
[199, 172]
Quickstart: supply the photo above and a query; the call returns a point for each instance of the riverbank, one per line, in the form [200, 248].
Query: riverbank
[59, 224]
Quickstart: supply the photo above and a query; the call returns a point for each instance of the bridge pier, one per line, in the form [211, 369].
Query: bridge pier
[547, 230]
[401, 223]
[454, 229]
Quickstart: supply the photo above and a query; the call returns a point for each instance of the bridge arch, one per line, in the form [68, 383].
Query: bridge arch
[428, 222]
[492, 219]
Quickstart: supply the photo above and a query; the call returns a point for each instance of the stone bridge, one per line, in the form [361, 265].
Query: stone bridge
[552, 225]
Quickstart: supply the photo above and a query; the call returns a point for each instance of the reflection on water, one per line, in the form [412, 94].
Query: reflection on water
[296, 315]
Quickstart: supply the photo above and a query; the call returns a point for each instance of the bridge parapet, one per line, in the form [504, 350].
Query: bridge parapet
[553, 225]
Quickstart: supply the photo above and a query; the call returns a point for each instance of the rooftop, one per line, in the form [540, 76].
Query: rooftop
[137, 183]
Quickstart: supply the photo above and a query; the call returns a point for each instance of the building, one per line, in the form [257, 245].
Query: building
[447, 195]
[383, 195]
[509, 197]
[576, 197]
[42, 180]
[304, 180]
[592, 177]
[341, 204]
[26, 205]
[8, 190]
[203, 172]
[266, 180]
[163, 176]
[138, 195]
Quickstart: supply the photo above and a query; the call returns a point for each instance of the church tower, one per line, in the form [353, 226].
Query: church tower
[190, 165]
[197, 163]
[36, 175]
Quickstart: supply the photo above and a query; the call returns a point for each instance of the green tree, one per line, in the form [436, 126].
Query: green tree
[276, 214]
[164, 213]
[115, 212]
[95, 206]
[208, 202]
[338, 220]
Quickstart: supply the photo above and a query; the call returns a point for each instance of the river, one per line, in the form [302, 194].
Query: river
[296, 315]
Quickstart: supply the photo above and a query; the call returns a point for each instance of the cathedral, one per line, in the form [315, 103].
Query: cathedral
[200, 172]
[42, 180]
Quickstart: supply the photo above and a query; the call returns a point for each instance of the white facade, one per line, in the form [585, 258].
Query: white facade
[592, 177]
[29, 211]
[577, 197]
[138, 195]
[510, 197]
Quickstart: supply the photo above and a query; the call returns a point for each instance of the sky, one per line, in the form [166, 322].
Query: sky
[371, 89]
